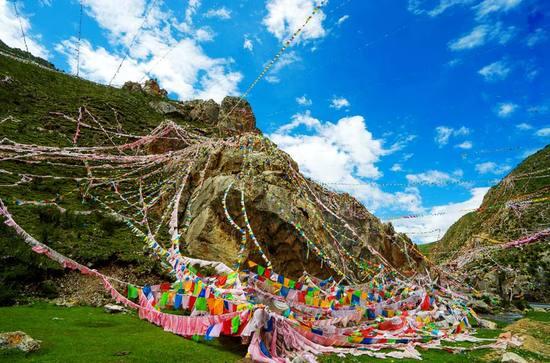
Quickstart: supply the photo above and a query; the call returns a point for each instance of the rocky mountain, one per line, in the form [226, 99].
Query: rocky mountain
[515, 209]
[299, 225]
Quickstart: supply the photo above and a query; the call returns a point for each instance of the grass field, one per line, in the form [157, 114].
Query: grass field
[86, 334]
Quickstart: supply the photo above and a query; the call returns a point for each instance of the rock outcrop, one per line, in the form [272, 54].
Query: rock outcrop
[275, 201]
[150, 87]
[233, 117]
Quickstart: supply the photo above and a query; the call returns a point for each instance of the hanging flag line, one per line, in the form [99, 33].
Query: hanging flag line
[134, 39]
[497, 150]
[79, 40]
[510, 204]
[20, 26]
[442, 182]
[266, 69]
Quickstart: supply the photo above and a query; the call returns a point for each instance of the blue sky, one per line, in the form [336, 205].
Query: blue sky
[383, 98]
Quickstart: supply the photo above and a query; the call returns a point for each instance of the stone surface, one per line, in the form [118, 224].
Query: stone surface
[132, 86]
[201, 111]
[480, 306]
[151, 87]
[236, 116]
[272, 202]
[19, 340]
[510, 357]
[484, 323]
[114, 309]
[164, 107]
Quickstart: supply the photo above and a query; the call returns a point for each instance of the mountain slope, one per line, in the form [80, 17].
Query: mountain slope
[516, 207]
[300, 225]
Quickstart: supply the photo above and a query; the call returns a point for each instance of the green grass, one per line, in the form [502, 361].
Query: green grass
[426, 248]
[86, 334]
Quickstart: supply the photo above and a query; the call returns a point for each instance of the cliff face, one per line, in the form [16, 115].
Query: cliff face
[515, 208]
[299, 225]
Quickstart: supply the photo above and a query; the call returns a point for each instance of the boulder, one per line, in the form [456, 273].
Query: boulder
[484, 323]
[132, 86]
[152, 88]
[114, 309]
[201, 111]
[19, 340]
[510, 357]
[236, 116]
[480, 306]
[164, 107]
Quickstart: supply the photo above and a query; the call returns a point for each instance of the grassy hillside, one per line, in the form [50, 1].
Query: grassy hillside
[28, 96]
[514, 208]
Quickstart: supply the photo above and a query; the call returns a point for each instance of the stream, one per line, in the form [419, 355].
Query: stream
[510, 317]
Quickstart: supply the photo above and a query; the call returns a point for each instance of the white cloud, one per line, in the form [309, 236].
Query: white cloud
[430, 177]
[440, 217]
[192, 8]
[544, 132]
[481, 34]
[466, 145]
[284, 17]
[444, 133]
[396, 168]
[204, 34]
[285, 60]
[473, 39]
[415, 6]
[487, 7]
[524, 126]
[492, 167]
[181, 66]
[10, 29]
[187, 72]
[536, 37]
[221, 13]
[349, 153]
[339, 102]
[496, 71]
[247, 44]
[506, 109]
[303, 101]
[342, 19]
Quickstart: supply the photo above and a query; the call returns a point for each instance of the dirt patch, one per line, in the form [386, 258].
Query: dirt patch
[535, 335]
[77, 289]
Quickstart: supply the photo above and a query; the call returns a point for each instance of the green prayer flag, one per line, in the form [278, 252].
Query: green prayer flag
[261, 270]
[232, 276]
[292, 284]
[192, 269]
[132, 291]
[200, 304]
[163, 299]
[235, 323]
